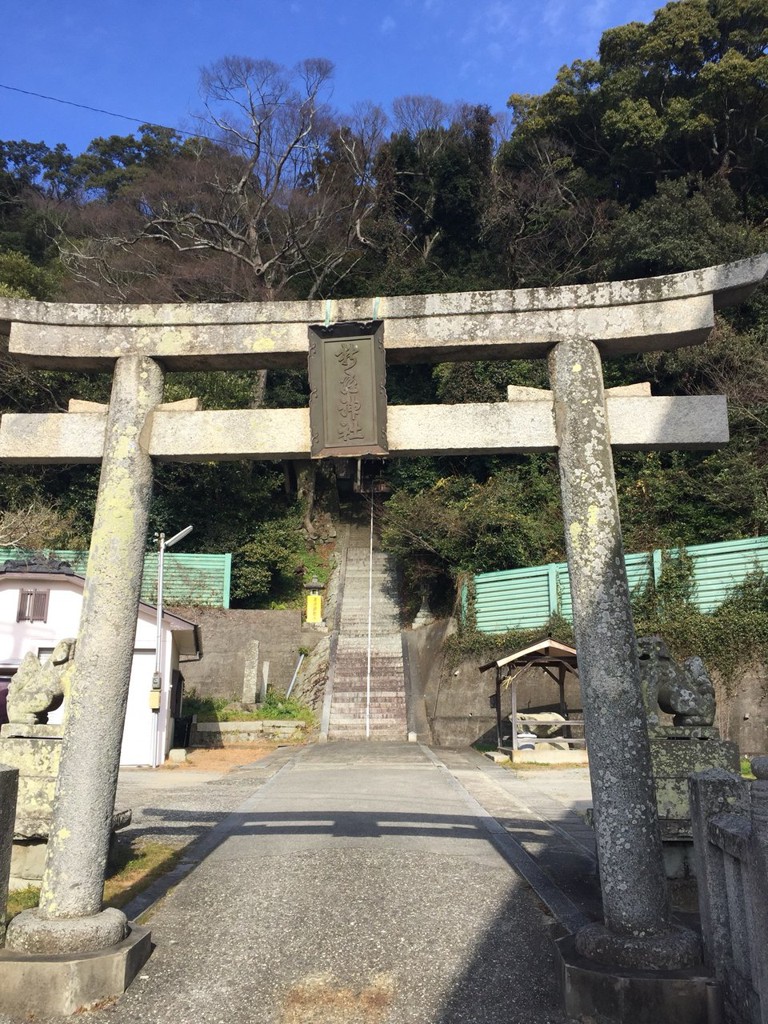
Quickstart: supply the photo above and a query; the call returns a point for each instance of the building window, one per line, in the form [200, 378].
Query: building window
[33, 606]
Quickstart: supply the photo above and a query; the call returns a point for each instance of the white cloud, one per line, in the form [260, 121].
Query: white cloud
[499, 16]
[388, 25]
[553, 16]
[504, 22]
[595, 14]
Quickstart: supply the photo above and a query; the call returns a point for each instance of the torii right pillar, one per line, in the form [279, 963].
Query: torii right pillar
[637, 931]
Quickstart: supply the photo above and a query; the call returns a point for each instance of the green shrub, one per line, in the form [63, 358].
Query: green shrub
[219, 709]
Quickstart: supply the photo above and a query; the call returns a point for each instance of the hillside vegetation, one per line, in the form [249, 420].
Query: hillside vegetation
[647, 159]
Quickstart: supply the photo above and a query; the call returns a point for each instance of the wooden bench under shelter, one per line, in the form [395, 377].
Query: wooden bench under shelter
[556, 660]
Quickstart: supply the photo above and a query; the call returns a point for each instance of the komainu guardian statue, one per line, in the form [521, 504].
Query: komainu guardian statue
[684, 691]
[690, 743]
[37, 689]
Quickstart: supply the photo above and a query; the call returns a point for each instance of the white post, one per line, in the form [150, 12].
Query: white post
[370, 616]
[160, 568]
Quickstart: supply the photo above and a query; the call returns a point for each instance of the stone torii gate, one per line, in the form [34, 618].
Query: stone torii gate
[574, 327]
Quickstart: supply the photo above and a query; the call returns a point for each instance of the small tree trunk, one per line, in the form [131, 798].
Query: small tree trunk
[259, 389]
[305, 489]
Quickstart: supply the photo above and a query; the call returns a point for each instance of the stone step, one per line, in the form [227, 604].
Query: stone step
[388, 633]
[381, 625]
[383, 661]
[360, 628]
[383, 688]
[356, 677]
[389, 719]
[358, 605]
[357, 698]
[351, 722]
[355, 688]
[356, 662]
[375, 726]
[360, 614]
[387, 643]
[388, 734]
[381, 647]
[350, 703]
[380, 722]
[356, 671]
[357, 602]
[388, 636]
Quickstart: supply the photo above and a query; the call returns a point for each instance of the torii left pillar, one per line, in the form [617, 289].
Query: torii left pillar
[70, 918]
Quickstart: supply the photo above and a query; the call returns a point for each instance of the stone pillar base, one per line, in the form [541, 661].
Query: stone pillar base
[64, 984]
[677, 949]
[601, 992]
[29, 932]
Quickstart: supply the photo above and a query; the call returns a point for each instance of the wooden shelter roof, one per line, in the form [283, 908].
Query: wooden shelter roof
[544, 652]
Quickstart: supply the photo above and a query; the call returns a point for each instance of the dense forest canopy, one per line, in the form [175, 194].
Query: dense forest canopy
[649, 158]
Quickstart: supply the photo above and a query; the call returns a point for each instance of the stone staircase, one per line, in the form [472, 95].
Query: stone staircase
[348, 704]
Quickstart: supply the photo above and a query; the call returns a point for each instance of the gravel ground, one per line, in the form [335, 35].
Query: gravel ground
[178, 805]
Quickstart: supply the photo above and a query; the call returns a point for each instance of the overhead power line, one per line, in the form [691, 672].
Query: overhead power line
[100, 110]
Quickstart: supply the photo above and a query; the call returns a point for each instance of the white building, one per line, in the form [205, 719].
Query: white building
[40, 604]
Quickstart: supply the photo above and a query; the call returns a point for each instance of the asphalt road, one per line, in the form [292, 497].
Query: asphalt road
[353, 883]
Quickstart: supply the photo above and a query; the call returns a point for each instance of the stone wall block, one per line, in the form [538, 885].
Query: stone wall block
[757, 895]
[714, 792]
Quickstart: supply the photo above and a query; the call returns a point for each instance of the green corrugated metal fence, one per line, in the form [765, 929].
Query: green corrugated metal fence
[187, 579]
[526, 598]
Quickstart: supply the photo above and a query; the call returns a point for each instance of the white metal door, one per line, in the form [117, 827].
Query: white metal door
[138, 734]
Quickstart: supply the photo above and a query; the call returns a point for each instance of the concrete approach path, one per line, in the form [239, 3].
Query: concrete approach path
[357, 882]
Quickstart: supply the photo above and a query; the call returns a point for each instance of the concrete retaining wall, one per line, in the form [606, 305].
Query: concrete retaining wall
[456, 702]
[228, 636]
[453, 709]
[742, 716]
[222, 734]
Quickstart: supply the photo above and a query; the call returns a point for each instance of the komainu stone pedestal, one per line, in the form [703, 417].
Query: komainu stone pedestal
[676, 753]
[690, 744]
[35, 750]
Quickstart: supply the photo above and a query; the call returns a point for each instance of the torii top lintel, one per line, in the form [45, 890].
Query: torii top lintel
[621, 317]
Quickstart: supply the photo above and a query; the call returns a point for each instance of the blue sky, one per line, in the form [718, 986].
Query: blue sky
[142, 57]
